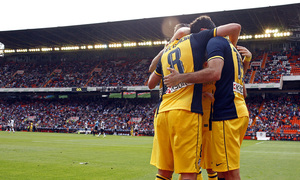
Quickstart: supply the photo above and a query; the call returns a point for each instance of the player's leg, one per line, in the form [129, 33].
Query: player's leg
[162, 156]
[206, 154]
[189, 176]
[101, 132]
[212, 175]
[232, 175]
[164, 175]
[221, 176]
[199, 176]
[240, 124]
[206, 160]
[227, 138]
[155, 152]
[218, 148]
[185, 134]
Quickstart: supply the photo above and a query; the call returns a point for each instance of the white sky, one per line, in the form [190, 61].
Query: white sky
[32, 14]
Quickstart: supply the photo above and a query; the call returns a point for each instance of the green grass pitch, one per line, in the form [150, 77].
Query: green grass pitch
[26, 155]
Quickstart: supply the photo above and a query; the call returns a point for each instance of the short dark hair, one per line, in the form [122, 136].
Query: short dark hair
[203, 21]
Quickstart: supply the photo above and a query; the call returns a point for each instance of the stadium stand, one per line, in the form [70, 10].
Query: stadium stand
[273, 66]
[94, 73]
[274, 109]
[74, 73]
[70, 115]
[276, 115]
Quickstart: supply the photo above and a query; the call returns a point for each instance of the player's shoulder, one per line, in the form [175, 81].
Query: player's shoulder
[219, 40]
[206, 32]
[203, 36]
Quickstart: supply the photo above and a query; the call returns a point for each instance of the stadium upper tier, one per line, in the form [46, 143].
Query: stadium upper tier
[266, 67]
[269, 67]
[74, 73]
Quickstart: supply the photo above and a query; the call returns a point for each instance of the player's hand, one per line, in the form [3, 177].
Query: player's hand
[172, 79]
[244, 51]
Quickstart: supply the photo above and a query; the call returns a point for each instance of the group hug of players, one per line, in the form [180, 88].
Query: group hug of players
[202, 116]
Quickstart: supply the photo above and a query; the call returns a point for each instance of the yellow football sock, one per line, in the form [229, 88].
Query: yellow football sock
[199, 175]
[160, 177]
[212, 176]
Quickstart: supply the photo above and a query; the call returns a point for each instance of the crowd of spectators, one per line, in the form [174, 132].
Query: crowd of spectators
[121, 72]
[277, 64]
[75, 73]
[69, 114]
[275, 113]
[270, 114]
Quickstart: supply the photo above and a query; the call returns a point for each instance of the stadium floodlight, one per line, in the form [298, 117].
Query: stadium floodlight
[69, 48]
[130, 44]
[22, 50]
[34, 50]
[258, 36]
[245, 37]
[271, 31]
[2, 47]
[269, 34]
[100, 46]
[46, 49]
[282, 34]
[9, 51]
[148, 43]
[160, 42]
[115, 45]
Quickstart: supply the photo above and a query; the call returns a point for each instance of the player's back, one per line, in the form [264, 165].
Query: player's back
[185, 55]
[229, 100]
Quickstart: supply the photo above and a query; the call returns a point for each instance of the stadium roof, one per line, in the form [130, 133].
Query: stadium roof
[253, 21]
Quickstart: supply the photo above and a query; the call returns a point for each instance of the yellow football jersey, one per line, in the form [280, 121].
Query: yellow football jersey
[185, 55]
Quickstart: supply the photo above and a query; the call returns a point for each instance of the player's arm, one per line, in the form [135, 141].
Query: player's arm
[154, 79]
[155, 61]
[246, 63]
[180, 33]
[232, 30]
[211, 73]
[247, 57]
